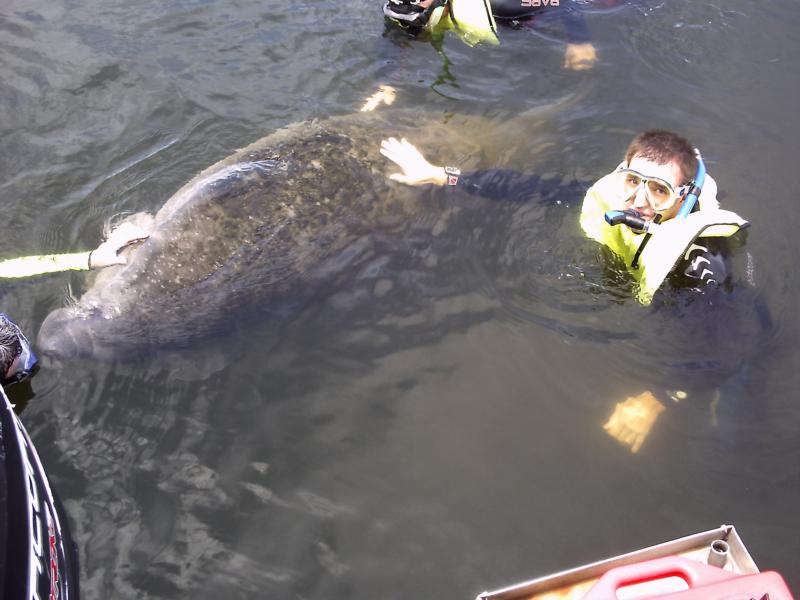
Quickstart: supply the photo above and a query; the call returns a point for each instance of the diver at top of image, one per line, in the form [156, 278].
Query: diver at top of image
[474, 21]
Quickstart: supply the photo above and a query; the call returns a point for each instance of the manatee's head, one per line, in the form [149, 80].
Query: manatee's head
[72, 333]
[91, 326]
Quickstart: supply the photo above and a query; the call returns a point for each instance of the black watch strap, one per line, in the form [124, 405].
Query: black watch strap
[453, 174]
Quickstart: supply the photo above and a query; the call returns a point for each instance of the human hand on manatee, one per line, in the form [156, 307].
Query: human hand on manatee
[108, 253]
[580, 57]
[632, 420]
[385, 94]
[416, 169]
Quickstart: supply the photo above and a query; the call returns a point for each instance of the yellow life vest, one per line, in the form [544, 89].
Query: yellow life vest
[669, 242]
[472, 21]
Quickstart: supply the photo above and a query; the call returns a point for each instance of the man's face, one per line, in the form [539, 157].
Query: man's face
[639, 199]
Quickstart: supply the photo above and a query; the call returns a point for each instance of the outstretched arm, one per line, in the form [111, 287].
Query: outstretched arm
[104, 255]
[496, 184]
[416, 170]
[28, 266]
[579, 54]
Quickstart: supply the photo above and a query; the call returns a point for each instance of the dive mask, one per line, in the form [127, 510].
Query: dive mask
[25, 364]
[659, 193]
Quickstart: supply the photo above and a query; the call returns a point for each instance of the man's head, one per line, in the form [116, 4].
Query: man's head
[10, 346]
[659, 163]
[17, 360]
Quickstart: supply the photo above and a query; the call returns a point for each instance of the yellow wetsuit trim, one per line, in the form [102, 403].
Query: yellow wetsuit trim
[471, 20]
[474, 21]
[28, 266]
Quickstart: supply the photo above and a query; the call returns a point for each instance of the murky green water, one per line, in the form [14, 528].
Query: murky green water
[429, 424]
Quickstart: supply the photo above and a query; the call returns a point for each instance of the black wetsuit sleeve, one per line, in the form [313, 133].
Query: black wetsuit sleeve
[704, 263]
[500, 184]
[568, 11]
[572, 16]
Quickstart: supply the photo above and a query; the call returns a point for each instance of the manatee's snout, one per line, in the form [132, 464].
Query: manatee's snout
[65, 335]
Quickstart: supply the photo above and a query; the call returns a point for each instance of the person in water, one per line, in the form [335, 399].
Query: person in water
[657, 211]
[18, 363]
[17, 360]
[642, 198]
[416, 16]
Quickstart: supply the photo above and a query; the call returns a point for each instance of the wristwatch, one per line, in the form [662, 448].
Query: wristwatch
[453, 173]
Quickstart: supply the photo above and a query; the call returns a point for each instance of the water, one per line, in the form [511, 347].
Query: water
[430, 423]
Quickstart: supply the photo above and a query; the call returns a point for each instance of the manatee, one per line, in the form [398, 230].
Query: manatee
[252, 229]
[267, 225]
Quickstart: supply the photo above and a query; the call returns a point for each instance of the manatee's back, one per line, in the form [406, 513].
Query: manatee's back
[243, 232]
[252, 229]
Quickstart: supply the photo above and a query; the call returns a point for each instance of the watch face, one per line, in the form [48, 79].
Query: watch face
[452, 179]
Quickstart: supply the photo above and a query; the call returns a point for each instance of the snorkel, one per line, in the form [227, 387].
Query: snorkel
[632, 219]
[695, 187]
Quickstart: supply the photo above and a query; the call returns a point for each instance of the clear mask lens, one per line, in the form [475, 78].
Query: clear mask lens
[659, 193]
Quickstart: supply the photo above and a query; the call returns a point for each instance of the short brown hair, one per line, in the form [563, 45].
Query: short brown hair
[10, 347]
[663, 147]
